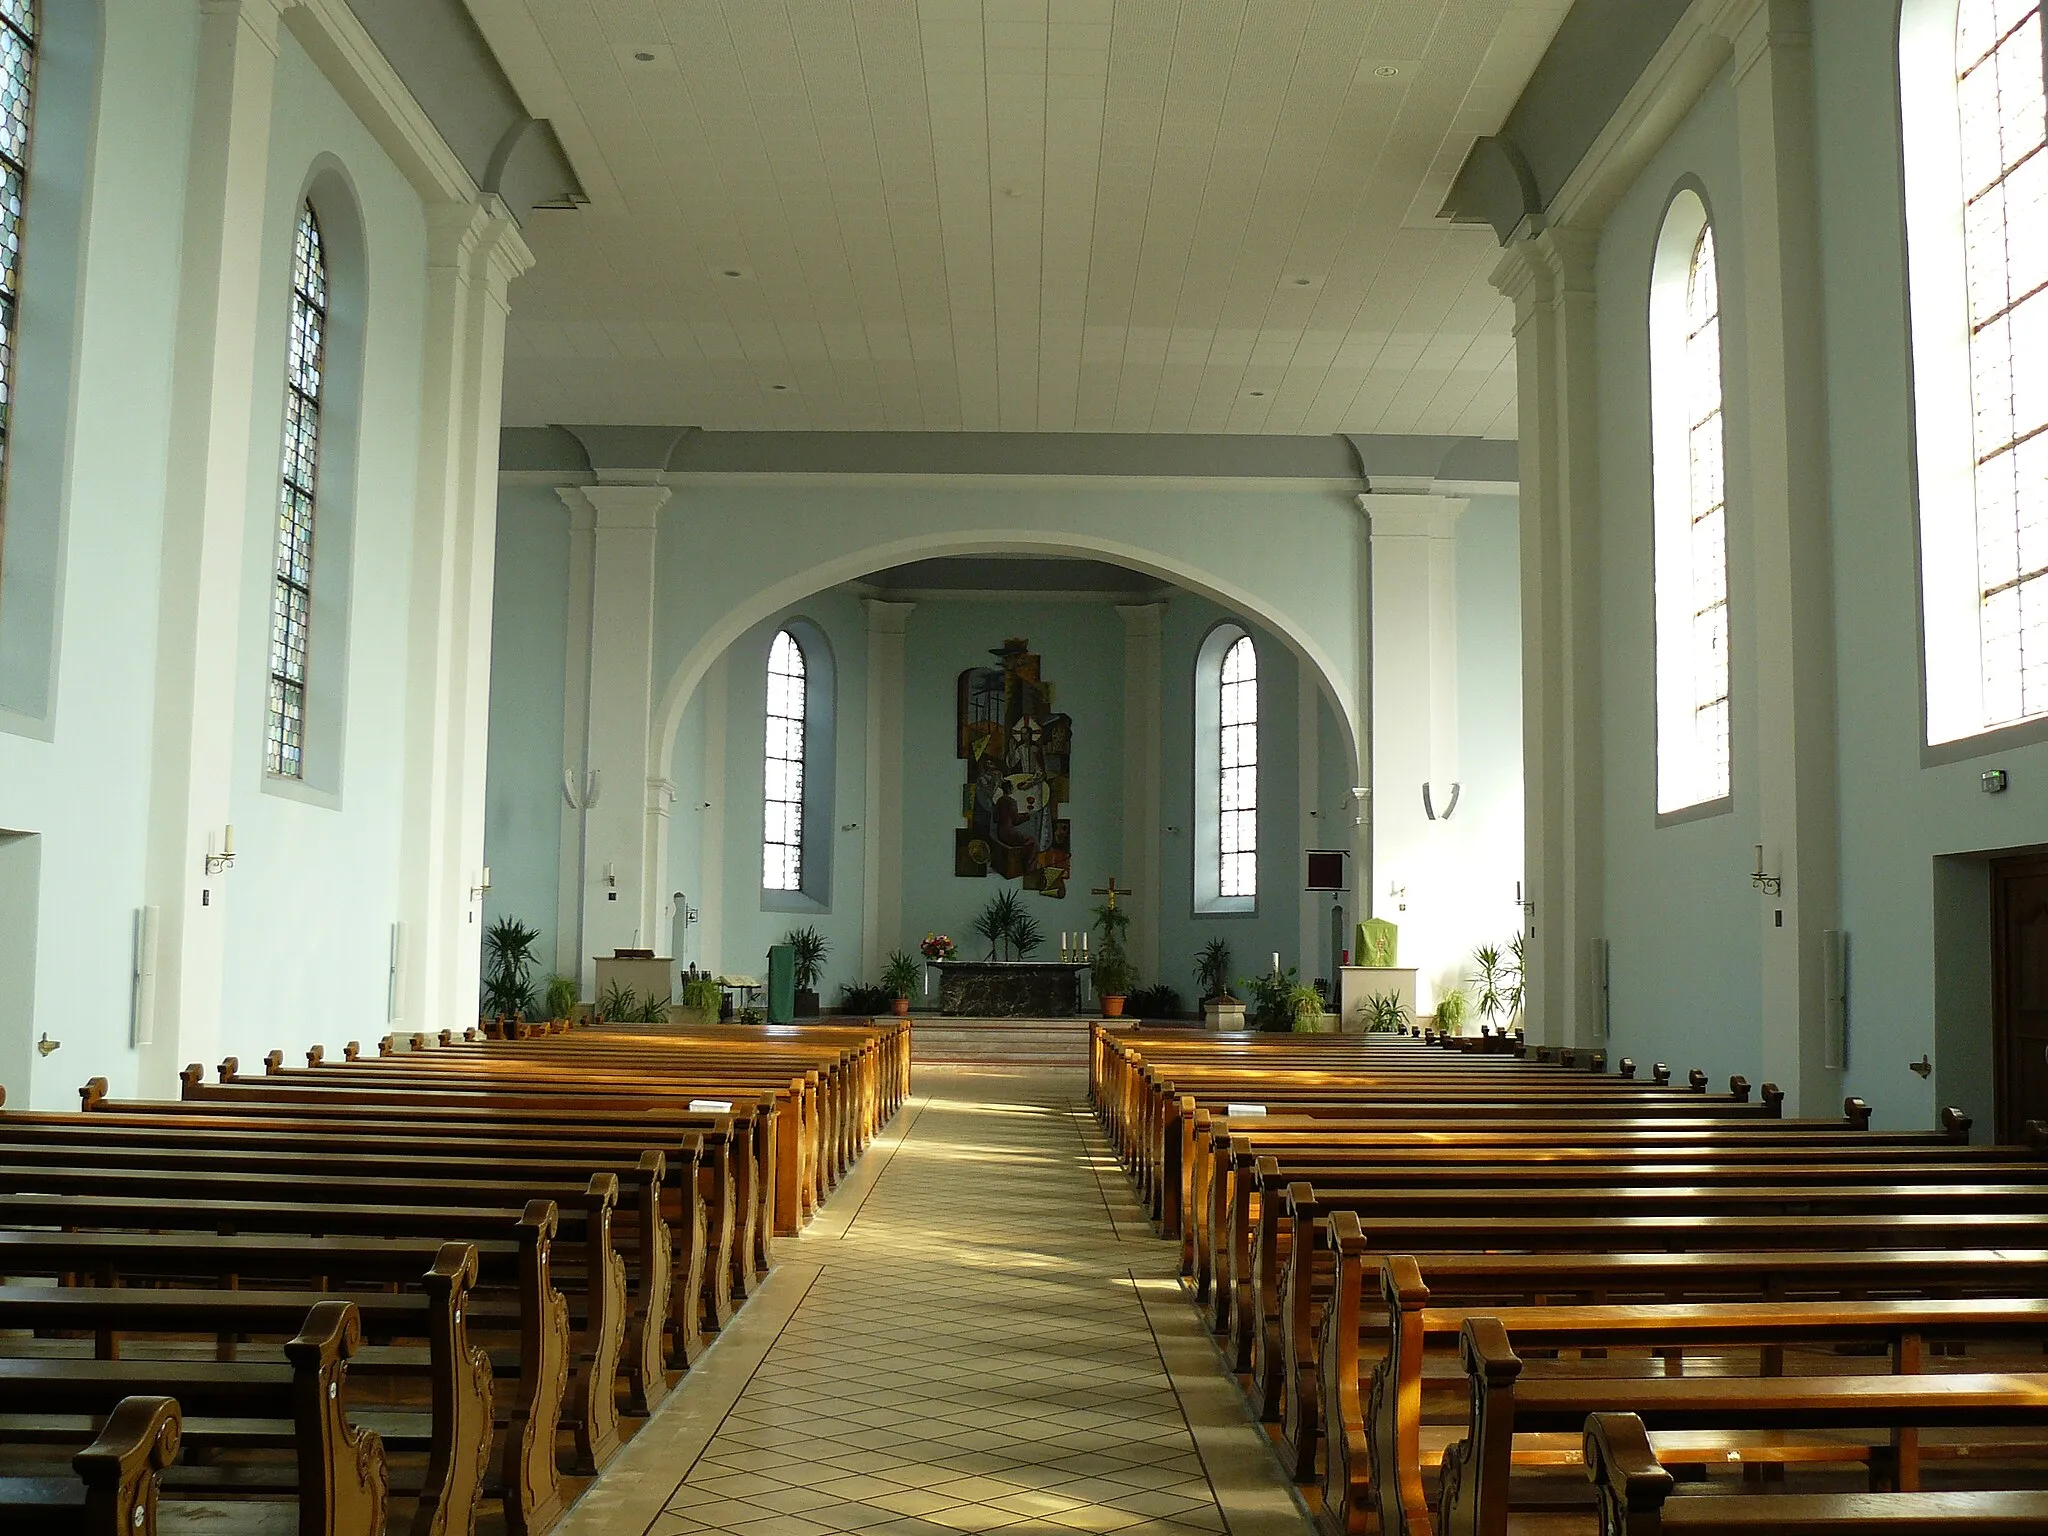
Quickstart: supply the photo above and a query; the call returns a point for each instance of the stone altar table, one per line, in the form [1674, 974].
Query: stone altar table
[1010, 989]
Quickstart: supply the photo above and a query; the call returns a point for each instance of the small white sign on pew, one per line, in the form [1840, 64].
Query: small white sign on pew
[711, 1106]
[1235, 1110]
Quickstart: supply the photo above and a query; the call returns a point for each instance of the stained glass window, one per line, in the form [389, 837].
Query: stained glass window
[2004, 121]
[17, 96]
[1238, 771]
[1709, 521]
[782, 797]
[291, 609]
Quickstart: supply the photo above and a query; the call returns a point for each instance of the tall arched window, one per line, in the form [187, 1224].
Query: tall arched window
[17, 102]
[1237, 771]
[1975, 114]
[782, 795]
[1226, 842]
[291, 609]
[1691, 513]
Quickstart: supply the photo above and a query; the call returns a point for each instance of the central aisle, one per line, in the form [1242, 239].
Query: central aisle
[978, 1333]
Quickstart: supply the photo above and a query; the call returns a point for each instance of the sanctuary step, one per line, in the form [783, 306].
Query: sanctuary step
[1000, 1042]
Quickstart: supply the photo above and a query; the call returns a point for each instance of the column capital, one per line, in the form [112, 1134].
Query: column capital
[661, 794]
[886, 617]
[1521, 275]
[615, 507]
[260, 16]
[479, 235]
[1405, 515]
[1754, 28]
[1142, 621]
[1544, 266]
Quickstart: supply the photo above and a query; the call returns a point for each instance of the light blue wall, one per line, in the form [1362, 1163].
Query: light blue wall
[1899, 817]
[75, 770]
[1682, 920]
[1082, 649]
[1685, 926]
[529, 640]
[315, 892]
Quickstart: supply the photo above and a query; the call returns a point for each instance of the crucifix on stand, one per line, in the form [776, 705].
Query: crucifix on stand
[1113, 924]
[1110, 891]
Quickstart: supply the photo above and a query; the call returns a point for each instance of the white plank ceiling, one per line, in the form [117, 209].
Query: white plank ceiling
[1017, 215]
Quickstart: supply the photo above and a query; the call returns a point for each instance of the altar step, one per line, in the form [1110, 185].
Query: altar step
[936, 1038]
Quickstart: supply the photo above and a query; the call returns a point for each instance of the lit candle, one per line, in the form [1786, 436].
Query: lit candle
[1759, 860]
[228, 843]
[1276, 962]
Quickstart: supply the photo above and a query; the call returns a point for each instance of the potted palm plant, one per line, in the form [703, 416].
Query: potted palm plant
[811, 949]
[1112, 972]
[508, 970]
[1220, 1010]
[703, 998]
[899, 979]
[558, 996]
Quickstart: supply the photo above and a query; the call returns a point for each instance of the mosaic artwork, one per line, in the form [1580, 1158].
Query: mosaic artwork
[1017, 752]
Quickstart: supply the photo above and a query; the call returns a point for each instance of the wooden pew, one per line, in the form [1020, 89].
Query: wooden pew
[341, 1480]
[1632, 1488]
[117, 1482]
[455, 1431]
[210, 1233]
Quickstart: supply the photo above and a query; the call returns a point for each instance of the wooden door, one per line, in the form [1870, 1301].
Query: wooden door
[2019, 990]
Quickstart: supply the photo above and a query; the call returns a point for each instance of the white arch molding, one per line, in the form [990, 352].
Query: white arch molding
[1341, 682]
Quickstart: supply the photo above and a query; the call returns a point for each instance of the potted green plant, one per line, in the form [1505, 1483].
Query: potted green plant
[619, 1004]
[508, 969]
[1452, 1010]
[811, 949]
[1115, 978]
[558, 996]
[702, 1000]
[900, 978]
[1499, 982]
[1220, 1010]
[1305, 1010]
[1383, 1013]
[1112, 972]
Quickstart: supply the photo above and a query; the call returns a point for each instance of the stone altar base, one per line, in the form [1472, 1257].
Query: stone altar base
[1009, 989]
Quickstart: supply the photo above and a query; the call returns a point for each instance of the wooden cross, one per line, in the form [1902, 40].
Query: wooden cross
[1111, 892]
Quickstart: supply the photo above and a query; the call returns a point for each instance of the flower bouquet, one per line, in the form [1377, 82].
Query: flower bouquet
[936, 947]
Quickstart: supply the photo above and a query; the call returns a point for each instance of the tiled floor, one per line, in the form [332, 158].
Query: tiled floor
[979, 1333]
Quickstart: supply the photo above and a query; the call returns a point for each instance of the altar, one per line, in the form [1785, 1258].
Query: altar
[1010, 989]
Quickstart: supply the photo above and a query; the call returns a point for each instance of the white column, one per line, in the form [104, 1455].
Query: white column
[881, 828]
[1788, 488]
[1414, 727]
[569, 891]
[206, 509]
[1311, 830]
[474, 252]
[620, 905]
[1550, 279]
[1144, 628]
[711, 857]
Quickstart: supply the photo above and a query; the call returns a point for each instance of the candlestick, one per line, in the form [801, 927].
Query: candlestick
[1276, 962]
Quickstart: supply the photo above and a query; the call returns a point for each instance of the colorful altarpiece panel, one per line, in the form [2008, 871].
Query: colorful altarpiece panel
[1017, 752]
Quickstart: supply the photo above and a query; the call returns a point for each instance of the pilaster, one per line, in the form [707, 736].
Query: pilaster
[194, 740]
[881, 925]
[1144, 628]
[474, 252]
[621, 906]
[569, 891]
[1415, 723]
[1550, 279]
[1786, 426]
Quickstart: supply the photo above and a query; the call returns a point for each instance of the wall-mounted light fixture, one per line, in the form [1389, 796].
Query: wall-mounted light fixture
[223, 857]
[611, 875]
[1769, 884]
[483, 884]
[1450, 805]
[582, 796]
[1361, 795]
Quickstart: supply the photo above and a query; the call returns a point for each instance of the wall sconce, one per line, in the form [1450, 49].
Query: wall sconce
[1361, 795]
[1770, 885]
[1450, 805]
[46, 1045]
[611, 876]
[225, 857]
[582, 797]
[483, 884]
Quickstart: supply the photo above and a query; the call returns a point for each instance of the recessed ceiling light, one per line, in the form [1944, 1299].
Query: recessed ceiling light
[1258, 394]
[778, 386]
[642, 56]
[1388, 71]
[732, 272]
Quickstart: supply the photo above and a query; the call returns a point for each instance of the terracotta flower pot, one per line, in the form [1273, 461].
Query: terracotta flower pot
[1112, 1007]
[900, 1006]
